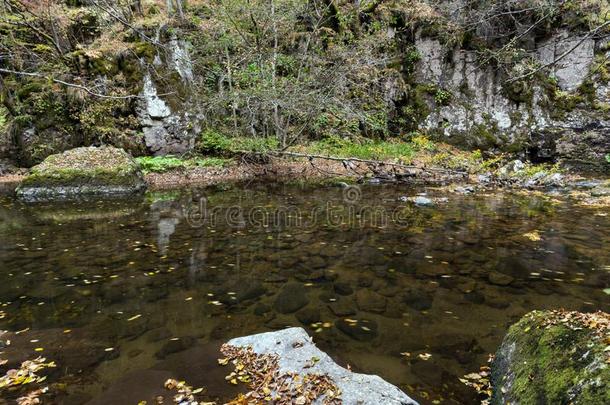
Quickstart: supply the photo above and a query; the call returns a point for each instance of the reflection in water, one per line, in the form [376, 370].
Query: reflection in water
[116, 292]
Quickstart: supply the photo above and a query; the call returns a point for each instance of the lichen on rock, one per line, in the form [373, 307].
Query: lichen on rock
[83, 171]
[554, 357]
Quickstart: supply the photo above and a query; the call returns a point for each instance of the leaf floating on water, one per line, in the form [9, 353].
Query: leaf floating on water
[26, 373]
[424, 356]
[533, 236]
[133, 318]
[607, 291]
[32, 398]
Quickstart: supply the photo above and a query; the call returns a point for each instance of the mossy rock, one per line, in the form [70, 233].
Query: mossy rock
[554, 357]
[81, 172]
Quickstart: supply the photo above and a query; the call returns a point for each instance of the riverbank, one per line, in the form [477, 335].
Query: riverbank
[418, 162]
[512, 175]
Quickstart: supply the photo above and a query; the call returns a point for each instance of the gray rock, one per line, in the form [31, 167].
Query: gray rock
[573, 68]
[512, 167]
[81, 172]
[555, 179]
[155, 106]
[484, 178]
[296, 349]
[423, 201]
[600, 191]
[587, 184]
[464, 190]
[291, 298]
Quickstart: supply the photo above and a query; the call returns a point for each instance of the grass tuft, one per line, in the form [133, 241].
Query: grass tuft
[162, 164]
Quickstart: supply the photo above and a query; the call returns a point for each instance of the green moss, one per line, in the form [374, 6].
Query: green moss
[214, 142]
[104, 65]
[78, 177]
[521, 91]
[364, 148]
[162, 164]
[554, 363]
[85, 166]
[145, 50]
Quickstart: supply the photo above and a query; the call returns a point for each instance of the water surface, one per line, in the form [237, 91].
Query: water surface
[124, 294]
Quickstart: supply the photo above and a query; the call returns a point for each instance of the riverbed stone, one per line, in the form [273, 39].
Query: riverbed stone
[361, 329]
[554, 357]
[80, 172]
[291, 298]
[296, 349]
[497, 278]
[343, 288]
[250, 291]
[342, 307]
[417, 299]
[370, 301]
[307, 316]
[175, 345]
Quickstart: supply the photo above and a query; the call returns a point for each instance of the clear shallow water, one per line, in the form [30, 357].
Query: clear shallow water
[125, 294]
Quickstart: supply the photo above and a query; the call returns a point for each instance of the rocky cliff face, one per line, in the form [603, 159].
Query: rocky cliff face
[168, 131]
[537, 119]
[529, 78]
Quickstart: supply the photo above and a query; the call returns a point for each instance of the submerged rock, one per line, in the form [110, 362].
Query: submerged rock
[91, 171]
[497, 278]
[370, 301]
[298, 354]
[358, 329]
[554, 357]
[291, 298]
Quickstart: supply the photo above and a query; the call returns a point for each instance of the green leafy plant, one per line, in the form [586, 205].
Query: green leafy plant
[162, 164]
[218, 143]
[442, 97]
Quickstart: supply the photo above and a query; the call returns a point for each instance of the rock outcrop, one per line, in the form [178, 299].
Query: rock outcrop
[563, 118]
[298, 354]
[554, 357]
[81, 172]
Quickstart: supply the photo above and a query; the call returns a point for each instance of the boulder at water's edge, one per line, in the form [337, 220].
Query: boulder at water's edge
[298, 354]
[81, 172]
[554, 357]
